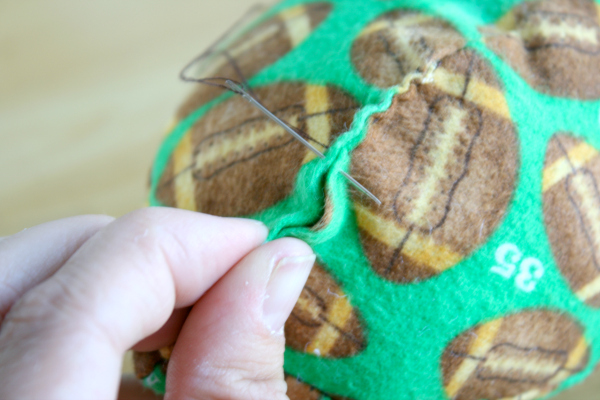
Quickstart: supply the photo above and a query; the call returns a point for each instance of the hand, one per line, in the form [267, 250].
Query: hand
[76, 294]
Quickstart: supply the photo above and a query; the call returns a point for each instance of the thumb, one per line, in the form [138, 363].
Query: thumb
[231, 345]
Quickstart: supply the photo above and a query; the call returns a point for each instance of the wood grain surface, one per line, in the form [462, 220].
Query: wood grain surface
[87, 89]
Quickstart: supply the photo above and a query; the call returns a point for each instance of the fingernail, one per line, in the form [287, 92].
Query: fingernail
[283, 289]
[258, 223]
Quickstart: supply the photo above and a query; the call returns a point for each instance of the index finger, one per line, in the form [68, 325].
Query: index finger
[31, 256]
[120, 287]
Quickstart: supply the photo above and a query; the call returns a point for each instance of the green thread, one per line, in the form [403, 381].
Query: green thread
[408, 326]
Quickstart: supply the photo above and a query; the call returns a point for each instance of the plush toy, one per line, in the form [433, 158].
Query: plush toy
[475, 122]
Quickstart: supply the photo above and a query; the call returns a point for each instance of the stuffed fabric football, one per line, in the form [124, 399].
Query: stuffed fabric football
[476, 124]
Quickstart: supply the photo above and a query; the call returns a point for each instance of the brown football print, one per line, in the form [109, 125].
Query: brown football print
[255, 50]
[521, 356]
[238, 163]
[323, 321]
[298, 390]
[572, 213]
[553, 44]
[443, 161]
[401, 43]
[145, 362]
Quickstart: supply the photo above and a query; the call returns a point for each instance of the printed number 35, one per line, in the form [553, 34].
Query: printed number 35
[531, 269]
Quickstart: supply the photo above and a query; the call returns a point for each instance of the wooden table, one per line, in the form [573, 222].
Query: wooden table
[86, 90]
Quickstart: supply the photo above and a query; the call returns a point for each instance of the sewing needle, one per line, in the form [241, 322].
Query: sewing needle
[242, 92]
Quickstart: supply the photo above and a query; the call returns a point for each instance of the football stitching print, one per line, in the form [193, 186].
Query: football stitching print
[476, 125]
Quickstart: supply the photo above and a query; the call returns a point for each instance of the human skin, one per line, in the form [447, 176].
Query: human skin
[76, 294]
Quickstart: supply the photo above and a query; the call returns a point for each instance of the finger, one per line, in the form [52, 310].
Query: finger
[167, 334]
[120, 287]
[31, 256]
[231, 345]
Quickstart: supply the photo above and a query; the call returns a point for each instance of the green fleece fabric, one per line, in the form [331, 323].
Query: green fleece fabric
[408, 326]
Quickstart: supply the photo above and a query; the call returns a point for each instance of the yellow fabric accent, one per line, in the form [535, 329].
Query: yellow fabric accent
[292, 13]
[222, 148]
[504, 363]
[575, 357]
[489, 97]
[508, 22]
[165, 352]
[325, 339]
[404, 21]
[381, 229]
[185, 188]
[449, 82]
[484, 340]
[309, 307]
[478, 92]
[585, 187]
[589, 290]
[563, 30]
[421, 249]
[318, 126]
[589, 208]
[297, 23]
[403, 36]
[529, 395]
[578, 157]
[442, 155]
